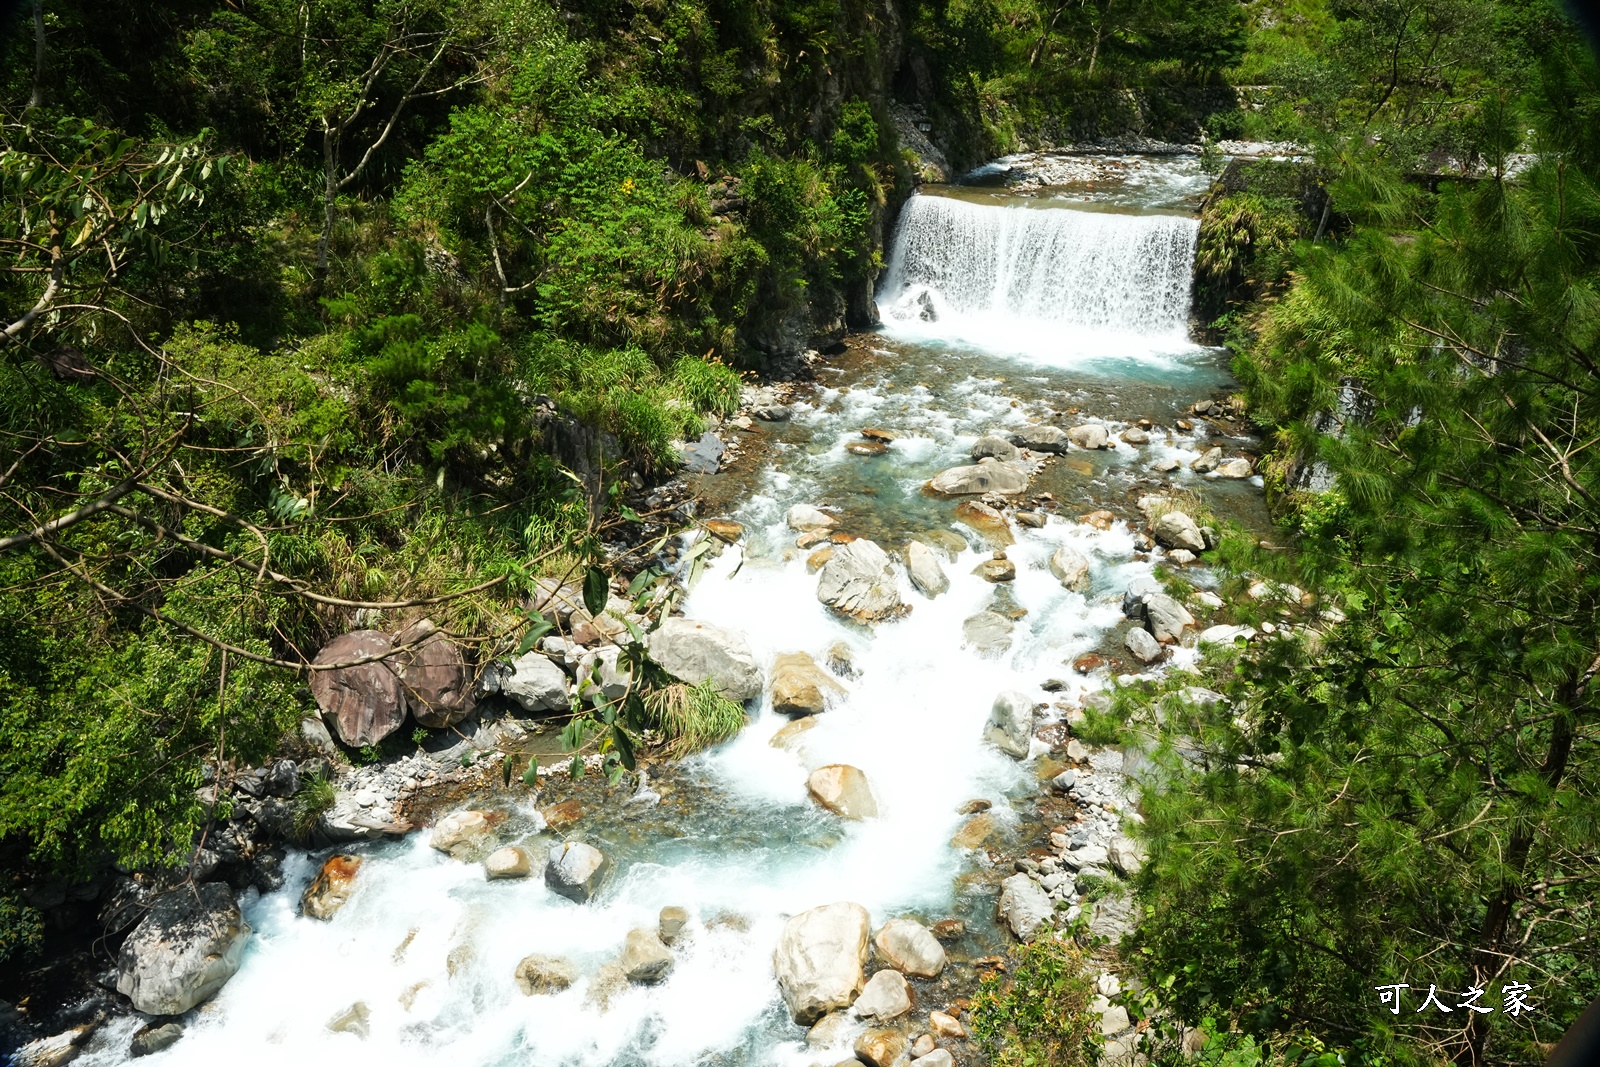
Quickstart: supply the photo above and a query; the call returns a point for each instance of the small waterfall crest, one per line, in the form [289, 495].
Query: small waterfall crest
[1052, 283]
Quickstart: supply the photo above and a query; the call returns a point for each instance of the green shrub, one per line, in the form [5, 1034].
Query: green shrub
[315, 797]
[21, 930]
[1038, 1015]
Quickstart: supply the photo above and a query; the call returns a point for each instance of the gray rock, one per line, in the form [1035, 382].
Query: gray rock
[705, 455]
[1135, 436]
[556, 601]
[460, 834]
[1087, 857]
[922, 564]
[536, 683]
[1235, 468]
[1065, 781]
[909, 947]
[508, 862]
[356, 1019]
[602, 670]
[695, 652]
[1071, 568]
[1024, 906]
[987, 631]
[939, 1057]
[577, 871]
[1133, 597]
[154, 1037]
[1090, 435]
[1165, 466]
[994, 448]
[1177, 530]
[773, 413]
[184, 950]
[645, 958]
[1041, 438]
[1126, 856]
[1007, 479]
[314, 732]
[858, 582]
[539, 975]
[1141, 645]
[886, 996]
[1166, 618]
[365, 703]
[820, 960]
[1223, 634]
[1208, 461]
[1010, 725]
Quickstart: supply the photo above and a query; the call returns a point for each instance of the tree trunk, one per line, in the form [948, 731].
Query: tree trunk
[330, 197]
[1488, 954]
[37, 99]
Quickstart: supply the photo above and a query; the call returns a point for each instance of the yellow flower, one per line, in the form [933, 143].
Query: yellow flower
[627, 185]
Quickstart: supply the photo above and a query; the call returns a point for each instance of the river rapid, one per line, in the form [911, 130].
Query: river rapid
[998, 311]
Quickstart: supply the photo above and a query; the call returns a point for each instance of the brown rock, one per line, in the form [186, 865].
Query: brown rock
[821, 556]
[789, 736]
[881, 1047]
[330, 889]
[725, 529]
[364, 703]
[975, 831]
[948, 929]
[996, 570]
[1088, 662]
[811, 537]
[437, 683]
[874, 434]
[972, 807]
[843, 790]
[539, 975]
[558, 817]
[866, 448]
[985, 520]
[1100, 520]
[946, 1026]
[800, 686]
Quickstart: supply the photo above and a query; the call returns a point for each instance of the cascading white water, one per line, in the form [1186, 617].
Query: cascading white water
[428, 946]
[1053, 283]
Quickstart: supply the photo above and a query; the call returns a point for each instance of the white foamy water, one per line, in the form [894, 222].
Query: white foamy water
[1057, 285]
[429, 946]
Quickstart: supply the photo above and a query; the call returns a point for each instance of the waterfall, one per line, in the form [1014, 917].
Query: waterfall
[1046, 282]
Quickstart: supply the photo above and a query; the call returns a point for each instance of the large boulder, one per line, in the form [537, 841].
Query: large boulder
[1039, 438]
[882, 1047]
[800, 686]
[330, 890]
[908, 947]
[987, 632]
[365, 703]
[858, 582]
[843, 790]
[922, 564]
[803, 518]
[1090, 435]
[994, 448]
[462, 833]
[1234, 468]
[1005, 478]
[1010, 725]
[577, 871]
[1071, 569]
[1166, 618]
[886, 996]
[602, 670]
[1177, 530]
[1024, 906]
[434, 675]
[536, 683]
[508, 862]
[821, 958]
[185, 949]
[645, 958]
[696, 652]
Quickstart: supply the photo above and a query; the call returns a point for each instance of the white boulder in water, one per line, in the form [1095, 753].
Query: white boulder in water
[645, 958]
[184, 950]
[1005, 478]
[577, 871]
[695, 652]
[1071, 568]
[922, 564]
[987, 632]
[858, 581]
[994, 448]
[1141, 645]
[1090, 435]
[800, 686]
[909, 947]
[1010, 725]
[821, 959]
[461, 833]
[803, 518]
[843, 790]
[1166, 617]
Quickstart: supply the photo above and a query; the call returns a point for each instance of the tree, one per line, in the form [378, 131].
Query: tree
[1417, 801]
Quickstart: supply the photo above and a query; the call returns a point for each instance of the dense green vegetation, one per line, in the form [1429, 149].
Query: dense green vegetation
[285, 283]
